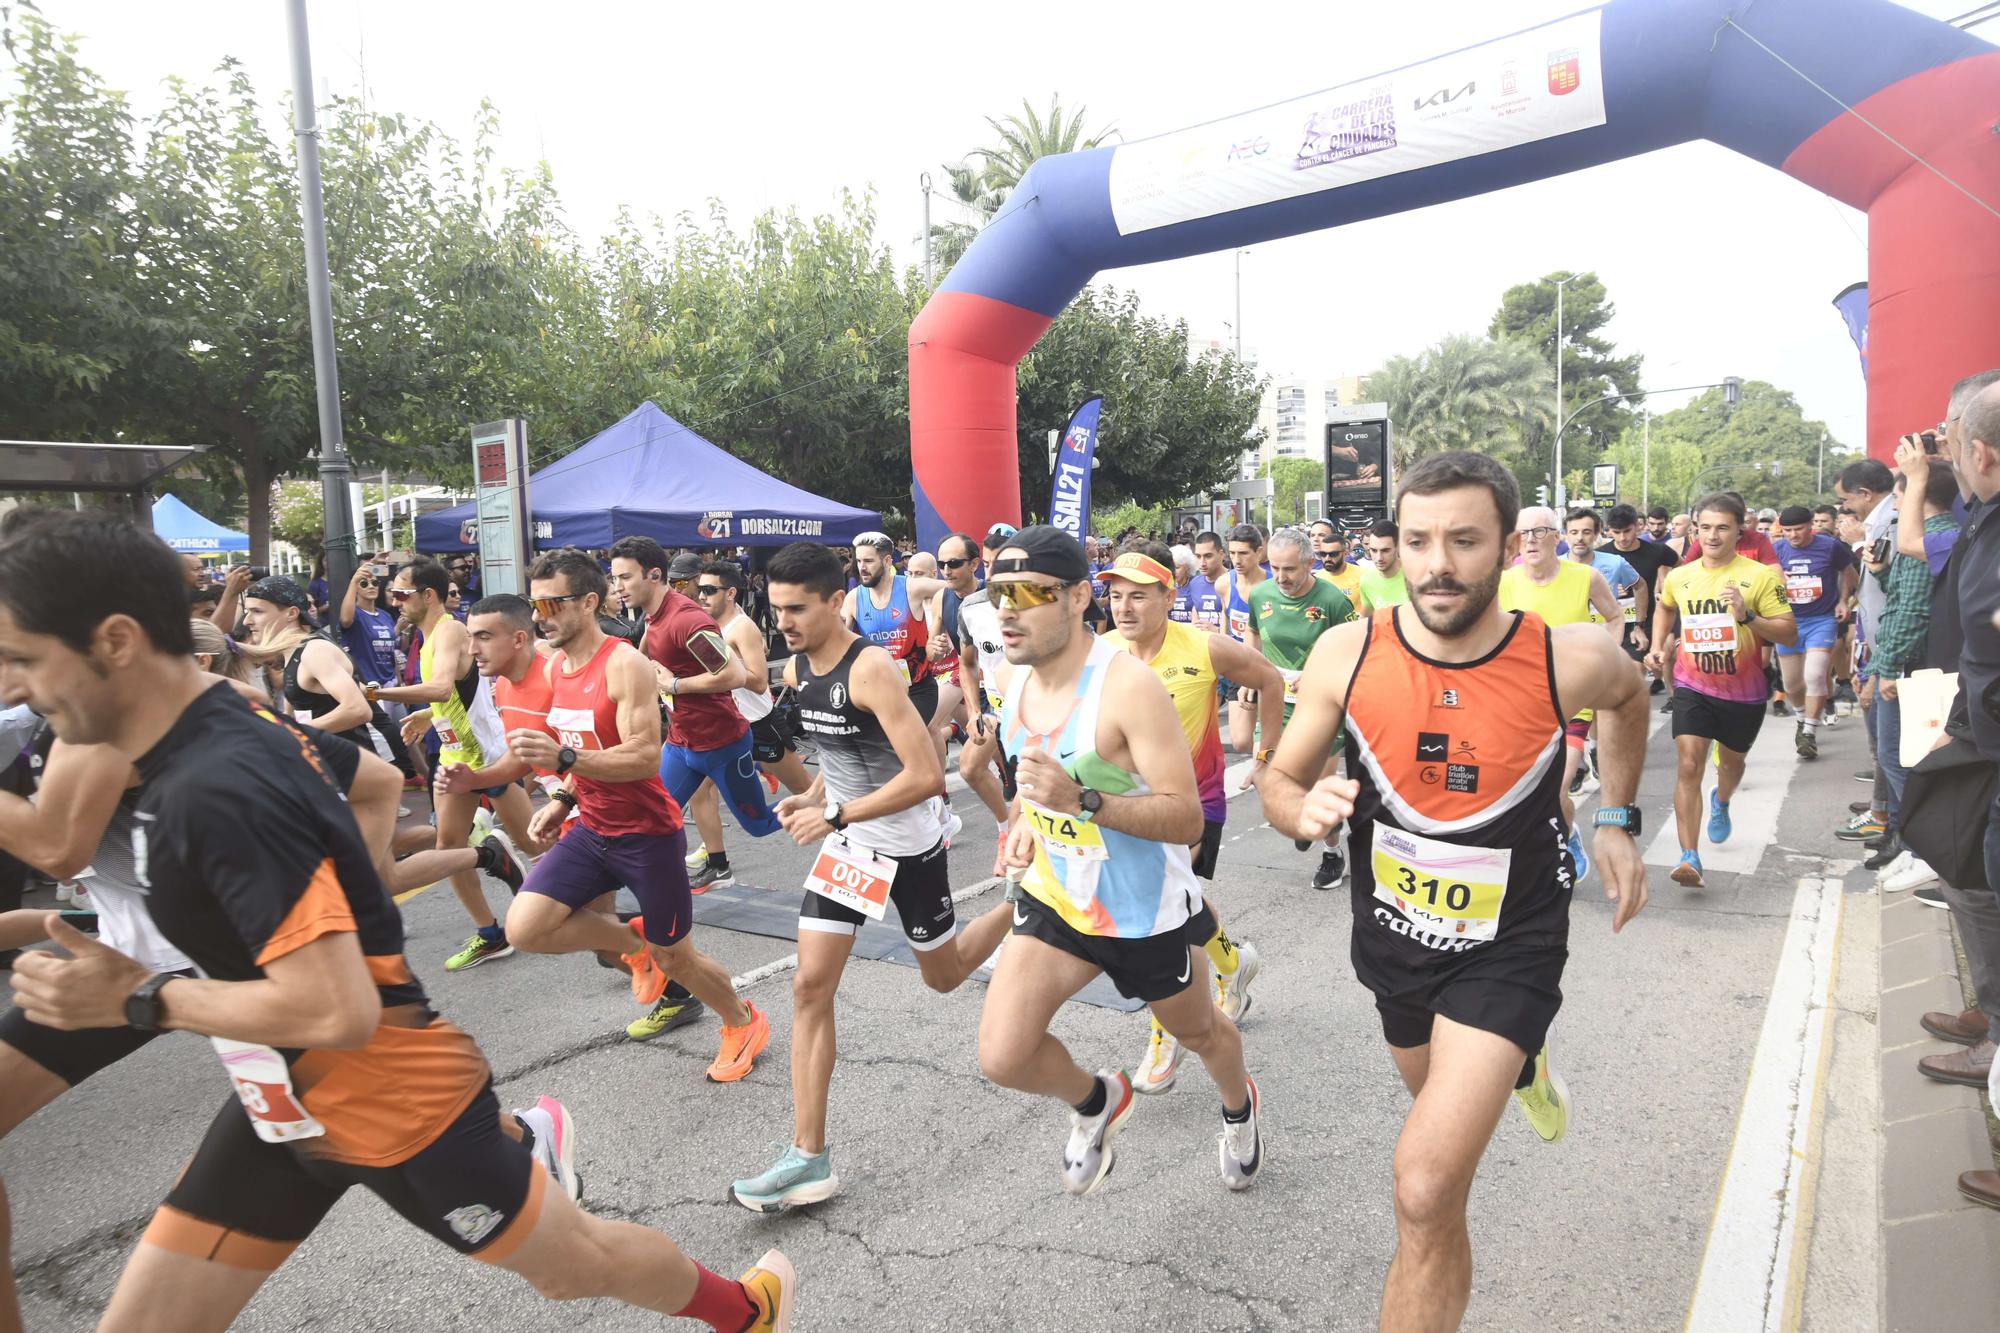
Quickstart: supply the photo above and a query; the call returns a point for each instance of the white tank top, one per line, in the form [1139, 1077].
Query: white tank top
[753, 704]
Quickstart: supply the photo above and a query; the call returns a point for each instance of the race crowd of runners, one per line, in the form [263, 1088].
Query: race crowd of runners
[1419, 705]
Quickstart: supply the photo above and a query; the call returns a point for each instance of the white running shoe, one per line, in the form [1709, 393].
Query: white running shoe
[1162, 1064]
[555, 1143]
[1242, 1148]
[1914, 873]
[697, 858]
[1901, 862]
[1235, 988]
[1087, 1156]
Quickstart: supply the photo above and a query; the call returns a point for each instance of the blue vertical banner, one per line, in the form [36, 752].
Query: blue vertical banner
[1852, 303]
[1069, 494]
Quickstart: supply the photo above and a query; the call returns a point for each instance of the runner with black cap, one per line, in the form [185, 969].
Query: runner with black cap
[1819, 574]
[1188, 661]
[1109, 807]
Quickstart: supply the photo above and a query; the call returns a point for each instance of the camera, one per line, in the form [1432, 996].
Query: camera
[1929, 441]
[259, 572]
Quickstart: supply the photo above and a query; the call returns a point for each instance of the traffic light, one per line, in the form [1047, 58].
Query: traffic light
[1542, 495]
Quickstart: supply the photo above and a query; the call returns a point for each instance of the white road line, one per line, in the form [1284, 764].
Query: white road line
[779, 966]
[1754, 1254]
[1753, 812]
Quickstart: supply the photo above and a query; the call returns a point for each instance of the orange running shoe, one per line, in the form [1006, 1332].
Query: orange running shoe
[740, 1048]
[770, 1287]
[648, 982]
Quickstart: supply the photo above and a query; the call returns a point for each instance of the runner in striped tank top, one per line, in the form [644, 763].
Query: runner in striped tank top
[1462, 879]
[1108, 808]
[1187, 660]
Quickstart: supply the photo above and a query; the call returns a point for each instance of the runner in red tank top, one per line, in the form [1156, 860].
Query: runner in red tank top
[603, 739]
[1462, 873]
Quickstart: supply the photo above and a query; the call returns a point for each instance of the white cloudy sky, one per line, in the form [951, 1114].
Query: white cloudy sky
[1717, 265]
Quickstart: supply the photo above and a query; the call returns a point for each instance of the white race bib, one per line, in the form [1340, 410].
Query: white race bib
[1709, 632]
[263, 1084]
[1441, 888]
[1801, 589]
[1291, 684]
[1631, 605]
[854, 879]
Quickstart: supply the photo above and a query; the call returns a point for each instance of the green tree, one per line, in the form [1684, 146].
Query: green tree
[297, 516]
[1591, 365]
[1172, 425]
[1764, 449]
[984, 178]
[1292, 479]
[1466, 392]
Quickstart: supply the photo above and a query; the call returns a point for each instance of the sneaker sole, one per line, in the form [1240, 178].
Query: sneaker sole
[1686, 875]
[565, 1125]
[1110, 1158]
[1561, 1087]
[482, 958]
[1163, 1085]
[799, 1196]
[1263, 1152]
[776, 1264]
[1247, 967]
[741, 1069]
[1909, 885]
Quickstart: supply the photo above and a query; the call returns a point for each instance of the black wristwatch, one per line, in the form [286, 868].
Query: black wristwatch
[142, 1006]
[835, 820]
[565, 760]
[1617, 816]
[1090, 802]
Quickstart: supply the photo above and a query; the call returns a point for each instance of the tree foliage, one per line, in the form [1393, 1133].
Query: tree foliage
[1764, 449]
[984, 178]
[1591, 366]
[1466, 392]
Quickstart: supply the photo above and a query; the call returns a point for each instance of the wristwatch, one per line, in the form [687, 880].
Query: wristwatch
[836, 820]
[565, 760]
[1090, 802]
[142, 1006]
[1617, 816]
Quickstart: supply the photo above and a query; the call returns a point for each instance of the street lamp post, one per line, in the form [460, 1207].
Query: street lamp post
[1556, 482]
[1731, 386]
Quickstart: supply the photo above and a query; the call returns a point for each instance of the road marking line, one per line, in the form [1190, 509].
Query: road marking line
[1767, 776]
[1753, 1258]
[780, 966]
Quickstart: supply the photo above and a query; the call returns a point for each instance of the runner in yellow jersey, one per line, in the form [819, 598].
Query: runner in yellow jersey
[449, 685]
[1187, 661]
[1561, 592]
[1329, 548]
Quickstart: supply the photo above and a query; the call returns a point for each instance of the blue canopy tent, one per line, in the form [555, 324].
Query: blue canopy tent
[184, 530]
[650, 476]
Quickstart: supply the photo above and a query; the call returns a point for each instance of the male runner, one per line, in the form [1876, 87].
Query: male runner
[1651, 558]
[603, 736]
[1246, 570]
[1211, 561]
[694, 670]
[343, 1073]
[1187, 661]
[887, 609]
[1658, 522]
[1109, 808]
[880, 840]
[1820, 575]
[964, 655]
[1729, 607]
[1461, 889]
[1383, 584]
[721, 589]
[1824, 518]
[1561, 592]
[1634, 593]
[1329, 547]
[449, 689]
[1288, 613]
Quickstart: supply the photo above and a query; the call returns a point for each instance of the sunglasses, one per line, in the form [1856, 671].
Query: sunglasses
[1022, 596]
[955, 564]
[545, 607]
[708, 589]
[401, 594]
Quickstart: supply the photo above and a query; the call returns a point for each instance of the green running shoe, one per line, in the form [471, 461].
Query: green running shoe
[665, 1015]
[478, 949]
[1546, 1100]
[797, 1177]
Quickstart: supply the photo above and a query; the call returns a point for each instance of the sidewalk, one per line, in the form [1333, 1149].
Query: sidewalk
[1940, 1253]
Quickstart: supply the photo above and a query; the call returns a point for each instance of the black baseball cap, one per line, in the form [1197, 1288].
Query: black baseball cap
[1044, 550]
[686, 565]
[1794, 516]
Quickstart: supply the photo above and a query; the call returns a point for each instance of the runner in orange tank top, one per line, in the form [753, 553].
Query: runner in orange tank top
[1462, 879]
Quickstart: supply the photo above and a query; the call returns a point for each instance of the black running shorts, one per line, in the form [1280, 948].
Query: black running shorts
[249, 1203]
[1510, 987]
[921, 895]
[1156, 967]
[768, 741]
[1208, 849]
[71, 1056]
[1732, 725]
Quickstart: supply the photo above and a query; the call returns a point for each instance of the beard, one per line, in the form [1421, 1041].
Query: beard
[1039, 648]
[1478, 595]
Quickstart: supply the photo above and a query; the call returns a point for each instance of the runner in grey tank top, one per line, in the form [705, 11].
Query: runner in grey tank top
[856, 758]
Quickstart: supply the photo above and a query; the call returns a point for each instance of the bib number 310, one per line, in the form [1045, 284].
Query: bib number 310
[1441, 888]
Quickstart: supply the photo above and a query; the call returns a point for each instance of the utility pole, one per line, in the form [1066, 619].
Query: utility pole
[335, 501]
[925, 179]
[1646, 460]
[1556, 482]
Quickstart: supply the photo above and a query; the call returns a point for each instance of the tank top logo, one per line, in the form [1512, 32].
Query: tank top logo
[836, 695]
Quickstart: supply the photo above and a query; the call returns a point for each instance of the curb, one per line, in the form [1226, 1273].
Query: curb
[1940, 1256]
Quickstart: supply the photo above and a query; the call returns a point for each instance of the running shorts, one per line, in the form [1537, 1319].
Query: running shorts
[1817, 634]
[733, 770]
[924, 694]
[72, 1056]
[1575, 732]
[249, 1204]
[1511, 987]
[584, 866]
[921, 895]
[1208, 849]
[768, 741]
[1151, 968]
[1732, 725]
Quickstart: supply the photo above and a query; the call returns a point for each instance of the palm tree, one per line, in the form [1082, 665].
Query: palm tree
[984, 178]
[1464, 393]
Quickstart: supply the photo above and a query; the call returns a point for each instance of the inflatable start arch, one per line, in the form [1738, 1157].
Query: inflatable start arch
[1919, 150]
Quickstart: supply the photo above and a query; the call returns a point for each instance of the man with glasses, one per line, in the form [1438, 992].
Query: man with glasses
[1729, 606]
[1561, 592]
[873, 814]
[1329, 546]
[448, 692]
[1109, 809]
[603, 739]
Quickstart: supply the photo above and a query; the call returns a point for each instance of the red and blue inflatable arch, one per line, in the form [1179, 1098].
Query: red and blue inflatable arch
[1603, 84]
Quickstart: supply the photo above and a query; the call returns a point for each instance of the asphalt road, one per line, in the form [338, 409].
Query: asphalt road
[952, 1215]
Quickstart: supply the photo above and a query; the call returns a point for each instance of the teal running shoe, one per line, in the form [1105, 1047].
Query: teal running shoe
[1718, 819]
[795, 1178]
